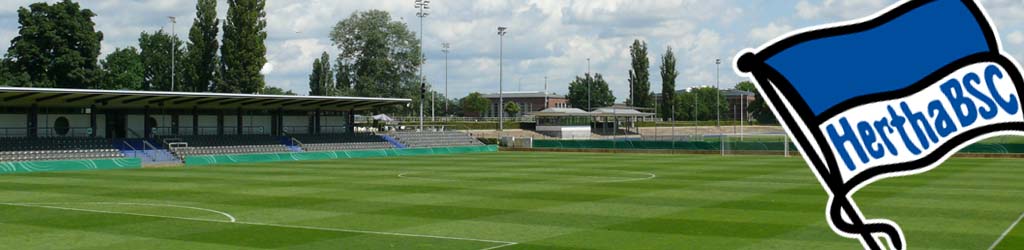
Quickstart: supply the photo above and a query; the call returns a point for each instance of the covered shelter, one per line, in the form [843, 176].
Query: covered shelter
[618, 119]
[50, 112]
[566, 123]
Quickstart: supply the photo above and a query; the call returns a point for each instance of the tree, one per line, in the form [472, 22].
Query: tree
[474, 104]
[156, 60]
[379, 55]
[321, 81]
[668, 83]
[512, 109]
[343, 79]
[244, 53]
[123, 70]
[705, 104]
[271, 90]
[639, 76]
[57, 46]
[746, 86]
[202, 61]
[600, 94]
[12, 77]
[757, 108]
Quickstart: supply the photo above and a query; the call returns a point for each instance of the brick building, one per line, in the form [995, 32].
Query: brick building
[528, 101]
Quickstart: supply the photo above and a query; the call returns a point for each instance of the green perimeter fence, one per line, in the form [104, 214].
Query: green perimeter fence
[754, 146]
[193, 161]
[69, 165]
[670, 145]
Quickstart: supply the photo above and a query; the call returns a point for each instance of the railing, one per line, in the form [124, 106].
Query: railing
[151, 154]
[135, 152]
[253, 130]
[296, 142]
[332, 129]
[416, 119]
[13, 132]
[133, 133]
[300, 130]
[72, 132]
[296, 130]
[209, 131]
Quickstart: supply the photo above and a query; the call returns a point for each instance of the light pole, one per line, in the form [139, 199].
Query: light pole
[743, 114]
[174, 46]
[424, 8]
[445, 47]
[501, 85]
[718, 104]
[589, 81]
[545, 92]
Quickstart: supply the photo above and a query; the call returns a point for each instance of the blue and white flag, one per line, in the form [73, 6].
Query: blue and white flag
[890, 95]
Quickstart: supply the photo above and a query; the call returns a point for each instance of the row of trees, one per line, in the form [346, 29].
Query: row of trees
[57, 46]
[379, 58]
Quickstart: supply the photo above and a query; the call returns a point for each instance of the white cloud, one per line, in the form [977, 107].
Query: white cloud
[769, 32]
[267, 69]
[1016, 38]
[547, 38]
[839, 9]
[807, 10]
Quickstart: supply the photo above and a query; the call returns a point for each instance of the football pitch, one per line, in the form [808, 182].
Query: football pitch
[507, 200]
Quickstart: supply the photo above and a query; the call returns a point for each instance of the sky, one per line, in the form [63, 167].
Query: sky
[546, 38]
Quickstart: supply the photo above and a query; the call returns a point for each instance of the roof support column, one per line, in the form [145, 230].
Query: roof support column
[195, 121]
[147, 127]
[350, 122]
[280, 121]
[240, 128]
[220, 122]
[174, 122]
[92, 121]
[273, 123]
[316, 120]
[31, 122]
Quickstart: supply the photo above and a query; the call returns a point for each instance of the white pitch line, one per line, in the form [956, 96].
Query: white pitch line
[1007, 232]
[500, 246]
[229, 216]
[649, 176]
[405, 175]
[503, 243]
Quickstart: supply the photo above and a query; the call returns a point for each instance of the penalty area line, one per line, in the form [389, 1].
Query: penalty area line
[503, 243]
[1007, 232]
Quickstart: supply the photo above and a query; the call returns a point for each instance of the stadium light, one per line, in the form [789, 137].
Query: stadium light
[446, 47]
[589, 108]
[424, 7]
[501, 85]
[718, 103]
[174, 46]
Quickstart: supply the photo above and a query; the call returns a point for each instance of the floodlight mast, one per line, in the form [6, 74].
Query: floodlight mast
[501, 85]
[718, 103]
[174, 46]
[446, 47]
[424, 7]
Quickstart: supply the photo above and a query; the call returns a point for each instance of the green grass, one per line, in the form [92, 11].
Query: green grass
[479, 201]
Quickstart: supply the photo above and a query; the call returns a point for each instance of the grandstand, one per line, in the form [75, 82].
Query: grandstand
[435, 139]
[42, 124]
[42, 149]
[340, 142]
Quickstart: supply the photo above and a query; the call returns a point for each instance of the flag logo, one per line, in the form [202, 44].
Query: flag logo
[889, 95]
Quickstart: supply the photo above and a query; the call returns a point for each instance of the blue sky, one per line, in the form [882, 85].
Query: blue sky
[546, 37]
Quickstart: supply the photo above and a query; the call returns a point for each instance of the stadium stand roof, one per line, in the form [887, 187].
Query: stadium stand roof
[561, 112]
[122, 99]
